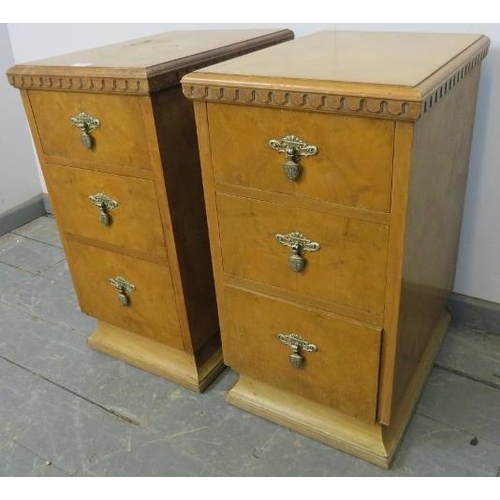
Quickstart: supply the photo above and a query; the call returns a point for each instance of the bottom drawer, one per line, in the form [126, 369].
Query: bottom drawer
[342, 373]
[151, 309]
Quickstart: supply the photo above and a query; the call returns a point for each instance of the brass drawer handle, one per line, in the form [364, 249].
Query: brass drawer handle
[104, 204]
[298, 345]
[86, 124]
[293, 148]
[298, 244]
[123, 287]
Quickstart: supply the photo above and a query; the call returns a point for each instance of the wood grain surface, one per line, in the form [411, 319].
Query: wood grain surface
[353, 165]
[383, 197]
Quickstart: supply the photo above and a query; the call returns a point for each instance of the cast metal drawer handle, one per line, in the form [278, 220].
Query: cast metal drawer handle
[123, 287]
[298, 244]
[86, 124]
[298, 345]
[293, 148]
[104, 204]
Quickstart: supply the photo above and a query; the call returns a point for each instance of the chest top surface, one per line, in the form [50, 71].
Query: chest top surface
[155, 62]
[399, 68]
[359, 57]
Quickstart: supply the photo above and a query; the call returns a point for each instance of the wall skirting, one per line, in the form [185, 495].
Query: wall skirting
[46, 204]
[22, 214]
[477, 313]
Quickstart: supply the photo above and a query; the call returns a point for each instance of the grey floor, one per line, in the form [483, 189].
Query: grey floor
[66, 410]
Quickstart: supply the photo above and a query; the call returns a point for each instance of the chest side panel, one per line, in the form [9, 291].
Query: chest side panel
[439, 166]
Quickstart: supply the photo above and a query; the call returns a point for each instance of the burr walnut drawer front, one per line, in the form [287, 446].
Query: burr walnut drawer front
[342, 159]
[325, 256]
[118, 210]
[92, 128]
[126, 292]
[334, 362]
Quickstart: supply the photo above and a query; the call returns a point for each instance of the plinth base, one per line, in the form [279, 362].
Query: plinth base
[311, 419]
[178, 366]
[375, 443]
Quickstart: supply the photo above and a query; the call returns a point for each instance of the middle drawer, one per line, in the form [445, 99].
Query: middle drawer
[348, 268]
[134, 223]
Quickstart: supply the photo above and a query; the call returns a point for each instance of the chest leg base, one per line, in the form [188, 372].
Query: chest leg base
[312, 419]
[375, 443]
[173, 364]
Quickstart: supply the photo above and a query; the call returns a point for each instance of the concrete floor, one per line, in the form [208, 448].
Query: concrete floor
[66, 410]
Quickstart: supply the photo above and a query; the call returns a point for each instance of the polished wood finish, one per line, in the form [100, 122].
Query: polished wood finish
[144, 155]
[436, 192]
[120, 138]
[141, 66]
[403, 60]
[135, 224]
[317, 421]
[160, 359]
[372, 442]
[372, 298]
[353, 167]
[343, 92]
[352, 253]
[179, 168]
[328, 376]
[151, 311]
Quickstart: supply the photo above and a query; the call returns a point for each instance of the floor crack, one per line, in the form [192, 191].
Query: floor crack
[37, 240]
[45, 459]
[463, 374]
[25, 310]
[456, 427]
[80, 396]
[17, 268]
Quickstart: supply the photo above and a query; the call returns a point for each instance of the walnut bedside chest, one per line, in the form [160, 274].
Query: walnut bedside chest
[334, 168]
[117, 143]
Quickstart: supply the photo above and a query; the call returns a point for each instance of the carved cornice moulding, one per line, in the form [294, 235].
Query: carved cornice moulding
[136, 81]
[309, 101]
[142, 83]
[376, 101]
[100, 84]
[432, 97]
[79, 84]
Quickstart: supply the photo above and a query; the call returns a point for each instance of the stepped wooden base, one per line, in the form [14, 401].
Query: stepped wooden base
[178, 366]
[312, 419]
[375, 443]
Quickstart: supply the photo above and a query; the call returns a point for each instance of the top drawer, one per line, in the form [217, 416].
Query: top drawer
[352, 166]
[119, 139]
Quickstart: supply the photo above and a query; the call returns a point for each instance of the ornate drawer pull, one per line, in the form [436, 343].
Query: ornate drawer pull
[86, 124]
[123, 287]
[298, 345]
[298, 244]
[293, 148]
[104, 204]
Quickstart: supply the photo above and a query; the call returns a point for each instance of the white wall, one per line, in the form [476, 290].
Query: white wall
[18, 173]
[478, 272]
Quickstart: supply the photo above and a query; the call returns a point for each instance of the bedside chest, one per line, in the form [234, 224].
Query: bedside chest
[334, 168]
[117, 143]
